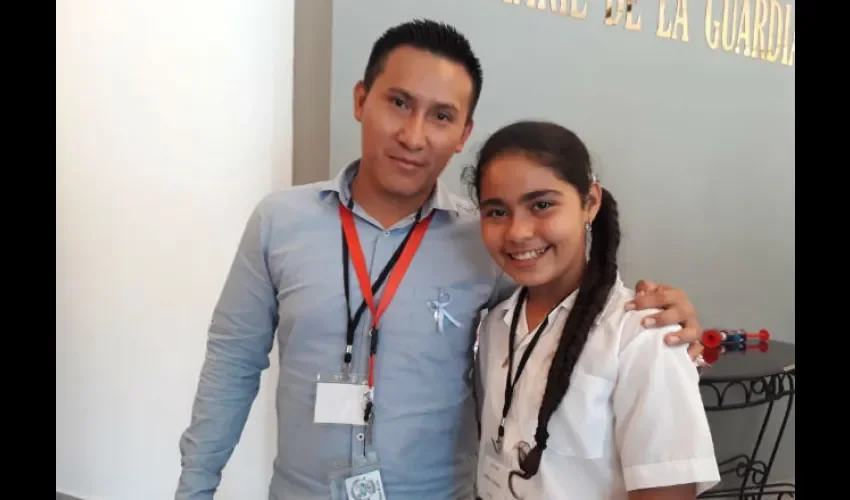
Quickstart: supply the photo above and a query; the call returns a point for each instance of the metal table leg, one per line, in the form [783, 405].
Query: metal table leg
[754, 473]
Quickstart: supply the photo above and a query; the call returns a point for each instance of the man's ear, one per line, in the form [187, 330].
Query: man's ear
[360, 94]
[467, 129]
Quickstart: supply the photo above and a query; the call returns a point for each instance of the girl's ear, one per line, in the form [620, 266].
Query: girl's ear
[594, 201]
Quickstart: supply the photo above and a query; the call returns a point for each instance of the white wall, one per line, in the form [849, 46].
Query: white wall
[172, 120]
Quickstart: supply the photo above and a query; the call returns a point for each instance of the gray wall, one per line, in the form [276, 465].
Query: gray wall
[697, 145]
[312, 91]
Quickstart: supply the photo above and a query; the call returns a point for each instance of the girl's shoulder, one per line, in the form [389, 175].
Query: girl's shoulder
[621, 329]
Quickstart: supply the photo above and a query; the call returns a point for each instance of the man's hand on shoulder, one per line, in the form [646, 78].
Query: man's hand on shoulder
[675, 307]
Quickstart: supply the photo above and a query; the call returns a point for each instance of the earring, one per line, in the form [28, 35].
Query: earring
[587, 227]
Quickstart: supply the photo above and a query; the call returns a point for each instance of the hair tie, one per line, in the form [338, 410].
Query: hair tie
[541, 436]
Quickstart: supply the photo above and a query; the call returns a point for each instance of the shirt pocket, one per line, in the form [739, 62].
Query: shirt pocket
[581, 427]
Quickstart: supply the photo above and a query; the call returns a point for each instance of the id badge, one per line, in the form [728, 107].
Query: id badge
[361, 481]
[493, 479]
[341, 399]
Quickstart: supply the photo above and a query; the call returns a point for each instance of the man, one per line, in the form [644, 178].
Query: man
[411, 430]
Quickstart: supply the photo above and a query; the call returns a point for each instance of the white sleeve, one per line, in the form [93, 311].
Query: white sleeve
[661, 428]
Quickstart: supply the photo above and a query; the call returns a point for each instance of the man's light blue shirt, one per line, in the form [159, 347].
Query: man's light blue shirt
[287, 278]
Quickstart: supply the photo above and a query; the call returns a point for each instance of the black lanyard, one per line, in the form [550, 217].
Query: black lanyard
[354, 321]
[511, 382]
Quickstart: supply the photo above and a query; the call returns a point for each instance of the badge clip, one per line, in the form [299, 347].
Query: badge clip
[346, 366]
[497, 444]
[368, 417]
[367, 406]
[497, 441]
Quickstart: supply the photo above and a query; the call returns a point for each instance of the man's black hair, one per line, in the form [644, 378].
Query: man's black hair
[438, 38]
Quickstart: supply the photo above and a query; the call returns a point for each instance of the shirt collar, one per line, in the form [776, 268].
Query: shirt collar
[442, 198]
[508, 306]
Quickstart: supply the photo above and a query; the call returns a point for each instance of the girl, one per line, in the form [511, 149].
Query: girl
[580, 403]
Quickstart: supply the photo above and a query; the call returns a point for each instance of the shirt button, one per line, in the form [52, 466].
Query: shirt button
[386, 233]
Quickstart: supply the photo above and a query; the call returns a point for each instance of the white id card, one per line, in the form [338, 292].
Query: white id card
[340, 403]
[367, 486]
[493, 481]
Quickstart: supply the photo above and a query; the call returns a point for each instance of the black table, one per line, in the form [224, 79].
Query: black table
[749, 378]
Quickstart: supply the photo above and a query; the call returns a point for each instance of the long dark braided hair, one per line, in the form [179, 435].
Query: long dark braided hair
[558, 148]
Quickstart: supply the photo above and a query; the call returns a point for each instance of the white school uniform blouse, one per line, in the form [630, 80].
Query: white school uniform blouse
[632, 417]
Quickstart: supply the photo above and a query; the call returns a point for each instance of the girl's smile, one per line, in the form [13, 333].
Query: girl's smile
[528, 258]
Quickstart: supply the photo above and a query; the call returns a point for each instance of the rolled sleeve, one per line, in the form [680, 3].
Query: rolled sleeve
[240, 338]
[661, 426]
[695, 470]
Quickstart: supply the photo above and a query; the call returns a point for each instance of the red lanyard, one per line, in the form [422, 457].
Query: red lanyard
[395, 277]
